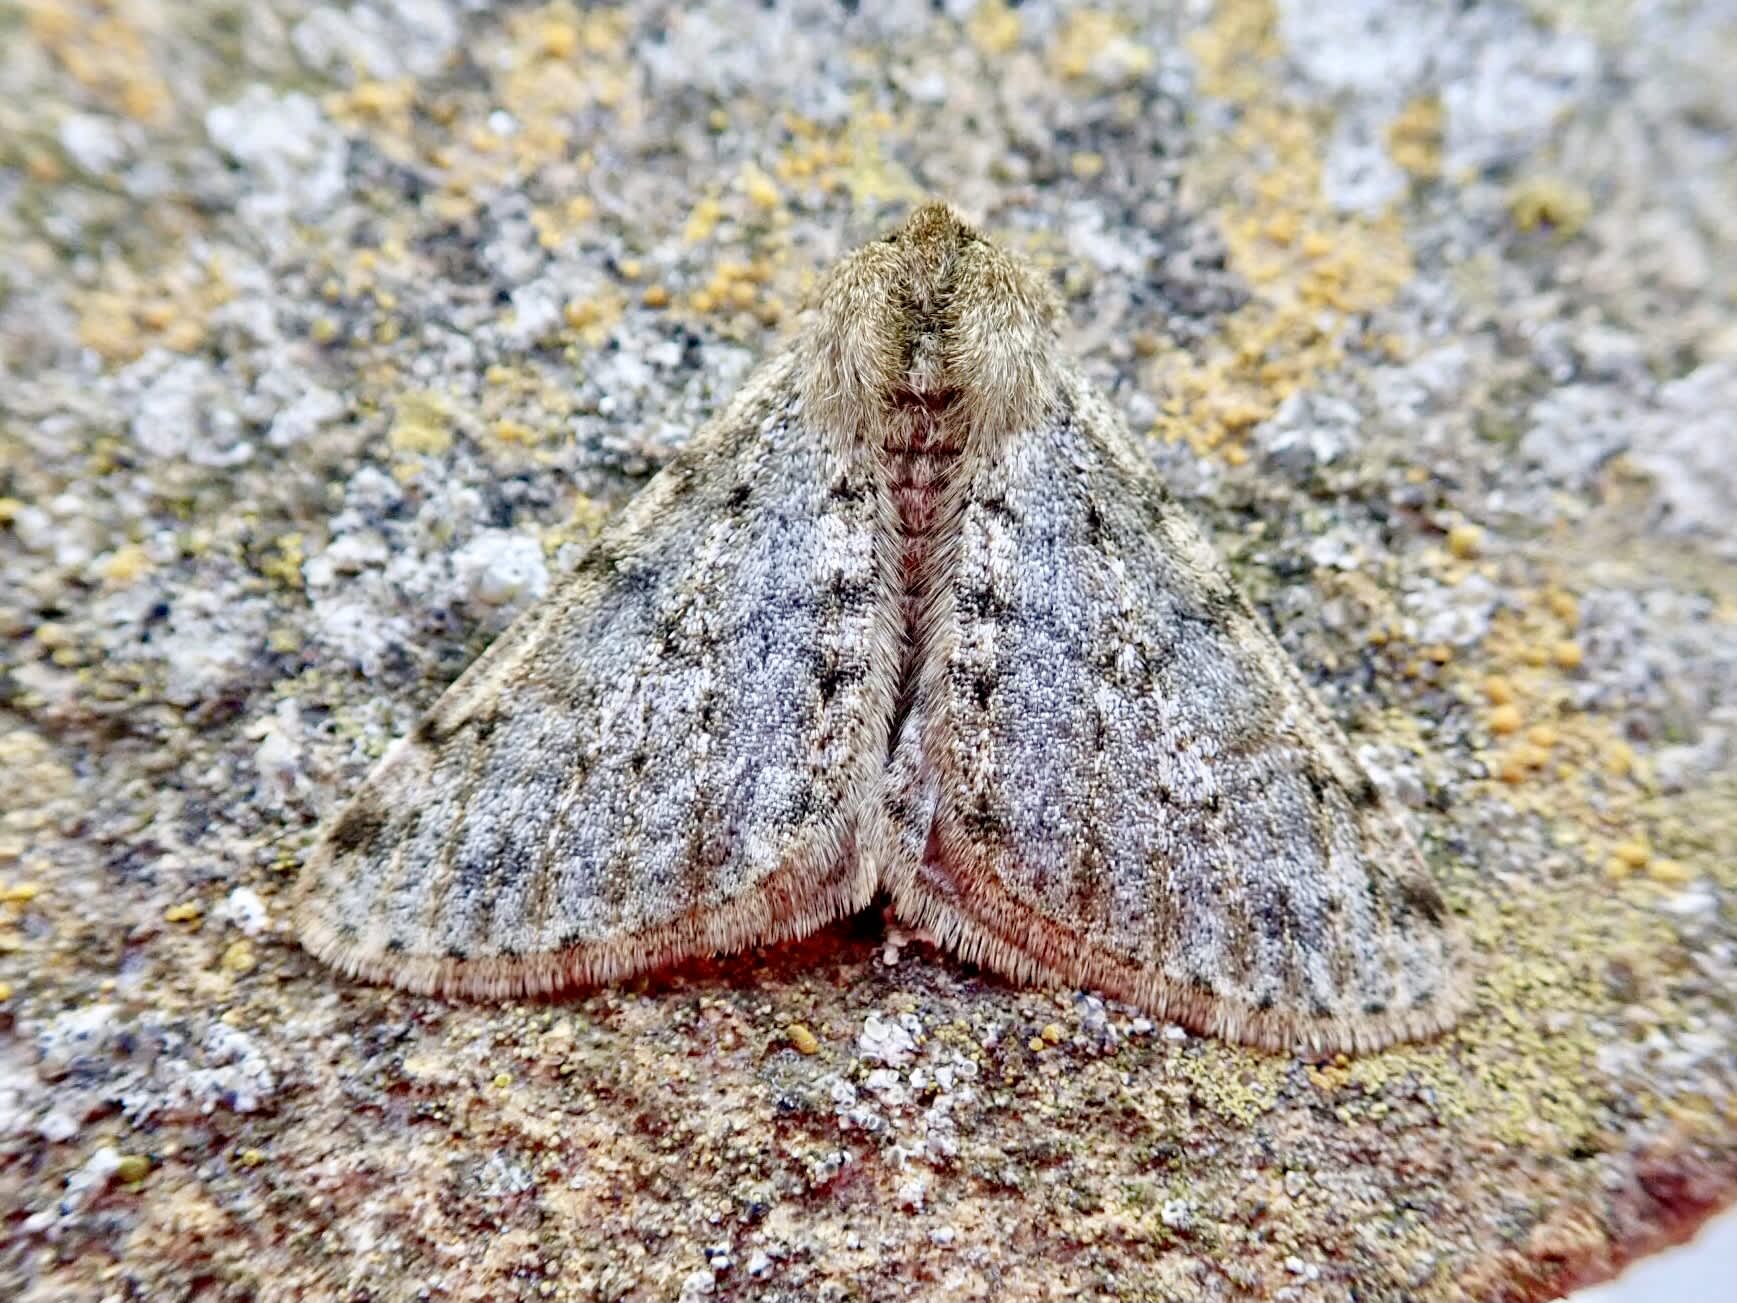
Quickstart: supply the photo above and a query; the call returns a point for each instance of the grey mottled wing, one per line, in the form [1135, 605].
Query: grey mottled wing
[664, 758]
[1132, 786]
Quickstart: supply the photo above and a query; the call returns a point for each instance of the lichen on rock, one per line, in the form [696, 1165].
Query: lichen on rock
[329, 333]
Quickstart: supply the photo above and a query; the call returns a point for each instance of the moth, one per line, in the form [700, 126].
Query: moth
[914, 614]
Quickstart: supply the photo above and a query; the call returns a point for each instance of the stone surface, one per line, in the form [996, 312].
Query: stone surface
[329, 333]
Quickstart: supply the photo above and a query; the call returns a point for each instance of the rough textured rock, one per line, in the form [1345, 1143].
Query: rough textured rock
[330, 332]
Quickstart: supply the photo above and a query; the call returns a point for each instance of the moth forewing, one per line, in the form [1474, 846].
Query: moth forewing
[661, 760]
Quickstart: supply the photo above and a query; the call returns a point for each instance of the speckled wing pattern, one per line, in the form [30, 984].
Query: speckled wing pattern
[662, 759]
[1130, 786]
[915, 614]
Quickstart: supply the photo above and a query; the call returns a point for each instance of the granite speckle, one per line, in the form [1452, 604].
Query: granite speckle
[329, 333]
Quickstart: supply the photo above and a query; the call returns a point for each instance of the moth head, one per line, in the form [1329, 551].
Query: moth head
[931, 311]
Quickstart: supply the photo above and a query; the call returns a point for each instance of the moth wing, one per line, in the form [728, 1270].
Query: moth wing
[1130, 785]
[664, 758]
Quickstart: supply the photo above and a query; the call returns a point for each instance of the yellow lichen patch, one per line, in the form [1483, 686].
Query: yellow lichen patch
[1230, 49]
[284, 562]
[1618, 758]
[558, 63]
[592, 318]
[510, 431]
[126, 312]
[703, 219]
[555, 401]
[125, 565]
[1284, 338]
[1231, 1084]
[1414, 137]
[1531, 755]
[734, 286]
[585, 523]
[1549, 201]
[1631, 854]
[557, 35]
[1086, 164]
[868, 171]
[1565, 606]
[383, 105]
[238, 958]
[759, 188]
[103, 47]
[1311, 270]
[815, 161]
[588, 516]
[1328, 1077]
[993, 28]
[109, 326]
[57, 640]
[15, 901]
[1513, 1062]
[1465, 541]
[1091, 41]
[188, 911]
[422, 425]
[1670, 873]
[1576, 770]
[556, 223]
[1505, 719]
[1543, 735]
[553, 67]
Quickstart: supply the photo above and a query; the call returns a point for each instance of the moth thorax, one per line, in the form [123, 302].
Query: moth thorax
[926, 370]
[921, 407]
